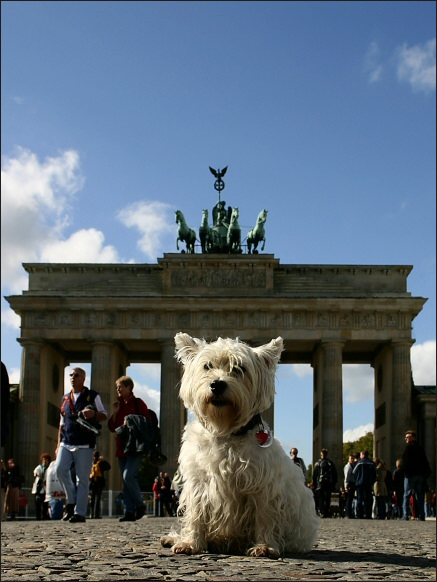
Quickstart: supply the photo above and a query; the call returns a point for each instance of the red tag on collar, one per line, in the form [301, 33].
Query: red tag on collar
[262, 437]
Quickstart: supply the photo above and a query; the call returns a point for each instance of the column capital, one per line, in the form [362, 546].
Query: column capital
[25, 342]
[103, 342]
[332, 342]
[165, 343]
[399, 343]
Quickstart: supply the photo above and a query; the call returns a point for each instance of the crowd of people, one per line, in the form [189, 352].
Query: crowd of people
[369, 490]
[70, 486]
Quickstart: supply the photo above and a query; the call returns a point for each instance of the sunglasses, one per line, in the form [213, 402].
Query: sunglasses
[74, 375]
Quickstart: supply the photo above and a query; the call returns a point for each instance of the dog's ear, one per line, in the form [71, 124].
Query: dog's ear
[271, 352]
[187, 347]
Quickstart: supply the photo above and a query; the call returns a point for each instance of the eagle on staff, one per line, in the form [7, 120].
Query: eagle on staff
[218, 173]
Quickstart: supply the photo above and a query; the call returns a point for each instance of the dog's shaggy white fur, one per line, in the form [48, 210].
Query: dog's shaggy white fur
[237, 495]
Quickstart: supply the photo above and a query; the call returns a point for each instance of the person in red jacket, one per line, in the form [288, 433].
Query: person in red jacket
[126, 404]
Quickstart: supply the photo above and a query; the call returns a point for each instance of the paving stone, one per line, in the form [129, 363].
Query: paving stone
[108, 550]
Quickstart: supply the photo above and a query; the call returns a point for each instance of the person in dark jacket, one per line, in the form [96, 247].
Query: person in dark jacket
[324, 480]
[76, 444]
[5, 412]
[417, 469]
[13, 483]
[97, 483]
[129, 464]
[298, 461]
[398, 487]
[365, 476]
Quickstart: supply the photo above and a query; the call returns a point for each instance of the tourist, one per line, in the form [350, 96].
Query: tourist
[417, 469]
[76, 444]
[398, 488]
[298, 461]
[39, 487]
[349, 486]
[13, 483]
[380, 488]
[97, 483]
[55, 495]
[128, 404]
[3, 490]
[365, 476]
[324, 480]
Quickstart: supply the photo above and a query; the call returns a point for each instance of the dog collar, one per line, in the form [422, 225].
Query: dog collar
[263, 436]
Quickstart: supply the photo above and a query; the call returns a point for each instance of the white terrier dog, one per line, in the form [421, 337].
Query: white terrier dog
[241, 492]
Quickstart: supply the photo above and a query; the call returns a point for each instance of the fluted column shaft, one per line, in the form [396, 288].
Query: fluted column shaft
[331, 410]
[103, 377]
[401, 398]
[29, 432]
[172, 415]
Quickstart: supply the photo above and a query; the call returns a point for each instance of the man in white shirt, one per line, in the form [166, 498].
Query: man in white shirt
[76, 444]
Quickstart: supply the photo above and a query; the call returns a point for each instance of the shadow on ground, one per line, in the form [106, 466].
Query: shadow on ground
[362, 556]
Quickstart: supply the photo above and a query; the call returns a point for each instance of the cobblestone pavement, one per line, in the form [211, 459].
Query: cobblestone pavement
[109, 550]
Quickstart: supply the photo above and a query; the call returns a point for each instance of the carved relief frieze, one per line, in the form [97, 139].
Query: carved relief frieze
[65, 319]
[299, 319]
[218, 278]
[183, 319]
[345, 320]
[367, 320]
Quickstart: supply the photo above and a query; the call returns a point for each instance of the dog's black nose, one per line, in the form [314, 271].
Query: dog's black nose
[218, 387]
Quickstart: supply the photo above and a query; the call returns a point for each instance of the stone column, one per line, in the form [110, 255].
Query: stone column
[29, 430]
[104, 372]
[429, 435]
[172, 413]
[401, 399]
[331, 409]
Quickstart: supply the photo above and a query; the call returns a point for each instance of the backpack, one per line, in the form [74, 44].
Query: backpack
[325, 477]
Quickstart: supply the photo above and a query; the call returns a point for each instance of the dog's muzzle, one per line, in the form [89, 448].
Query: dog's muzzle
[218, 388]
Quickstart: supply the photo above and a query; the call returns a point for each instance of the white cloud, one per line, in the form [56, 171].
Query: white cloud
[353, 434]
[11, 319]
[372, 66]
[150, 396]
[423, 362]
[416, 65]
[35, 207]
[155, 222]
[302, 370]
[83, 246]
[358, 382]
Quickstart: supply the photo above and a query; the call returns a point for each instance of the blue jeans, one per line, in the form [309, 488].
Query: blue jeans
[364, 501]
[131, 490]
[56, 509]
[82, 459]
[414, 485]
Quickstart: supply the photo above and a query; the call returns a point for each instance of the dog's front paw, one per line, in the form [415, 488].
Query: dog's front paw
[167, 541]
[182, 548]
[262, 551]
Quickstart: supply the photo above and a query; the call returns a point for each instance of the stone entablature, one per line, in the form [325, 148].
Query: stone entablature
[190, 274]
[128, 314]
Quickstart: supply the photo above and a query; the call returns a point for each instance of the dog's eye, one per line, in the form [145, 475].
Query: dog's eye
[240, 370]
[208, 366]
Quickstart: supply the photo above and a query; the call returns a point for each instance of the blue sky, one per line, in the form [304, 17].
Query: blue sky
[324, 113]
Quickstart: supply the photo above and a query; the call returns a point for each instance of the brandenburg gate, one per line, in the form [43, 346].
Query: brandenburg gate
[112, 315]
